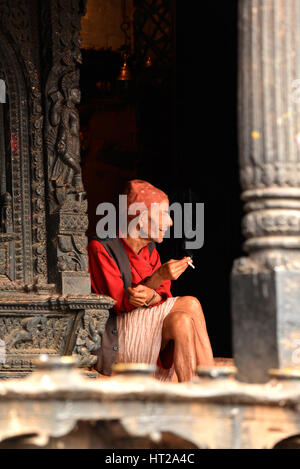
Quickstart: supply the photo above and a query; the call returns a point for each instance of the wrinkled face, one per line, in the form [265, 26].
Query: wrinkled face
[158, 221]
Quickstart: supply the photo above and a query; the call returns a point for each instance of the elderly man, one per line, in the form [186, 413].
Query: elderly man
[151, 325]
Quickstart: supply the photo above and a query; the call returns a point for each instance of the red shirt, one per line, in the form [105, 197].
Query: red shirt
[106, 280]
[106, 277]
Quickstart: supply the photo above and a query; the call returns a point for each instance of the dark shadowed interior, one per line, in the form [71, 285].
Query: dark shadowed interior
[174, 125]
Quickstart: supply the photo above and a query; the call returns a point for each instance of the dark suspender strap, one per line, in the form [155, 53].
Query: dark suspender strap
[107, 353]
[151, 246]
[116, 250]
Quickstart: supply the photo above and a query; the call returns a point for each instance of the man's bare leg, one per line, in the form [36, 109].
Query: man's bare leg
[192, 305]
[185, 325]
[178, 326]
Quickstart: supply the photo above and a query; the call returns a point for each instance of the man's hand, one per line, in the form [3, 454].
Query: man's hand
[139, 295]
[172, 269]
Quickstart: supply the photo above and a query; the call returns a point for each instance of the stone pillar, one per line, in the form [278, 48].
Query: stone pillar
[266, 284]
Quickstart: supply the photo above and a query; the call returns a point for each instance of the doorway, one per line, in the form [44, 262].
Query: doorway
[176, 128]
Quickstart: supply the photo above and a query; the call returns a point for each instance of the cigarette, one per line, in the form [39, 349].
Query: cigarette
[192, 265]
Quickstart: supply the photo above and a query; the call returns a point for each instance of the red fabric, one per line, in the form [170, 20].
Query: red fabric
[106, 279]
[139, 191]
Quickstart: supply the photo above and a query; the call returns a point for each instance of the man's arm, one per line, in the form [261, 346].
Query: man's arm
[163, 274]
[154, 281]
[141, 295]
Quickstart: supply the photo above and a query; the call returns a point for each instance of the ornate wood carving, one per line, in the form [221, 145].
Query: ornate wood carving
[19, 63]
[42, 202]
[89, 337]
[153, 30]
[67, 200]
[52, 325]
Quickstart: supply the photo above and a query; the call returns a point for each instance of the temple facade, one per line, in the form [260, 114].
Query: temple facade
[46, 304]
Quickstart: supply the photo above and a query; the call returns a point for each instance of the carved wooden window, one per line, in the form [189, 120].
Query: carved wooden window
[153, 29]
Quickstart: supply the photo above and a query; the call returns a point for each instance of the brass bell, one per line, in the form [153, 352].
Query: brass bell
[148, 62]
[125, 74]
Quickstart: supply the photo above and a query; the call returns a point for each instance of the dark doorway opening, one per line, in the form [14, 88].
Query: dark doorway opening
[176, 129]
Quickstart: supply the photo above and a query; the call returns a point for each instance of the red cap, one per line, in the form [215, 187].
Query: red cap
[143, 192]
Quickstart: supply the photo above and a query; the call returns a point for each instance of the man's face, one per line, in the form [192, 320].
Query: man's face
[159, 221]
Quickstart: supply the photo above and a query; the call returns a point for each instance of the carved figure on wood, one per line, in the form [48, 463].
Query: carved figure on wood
[88, 340]
[29, 327]
[66, 170]
[6, 213]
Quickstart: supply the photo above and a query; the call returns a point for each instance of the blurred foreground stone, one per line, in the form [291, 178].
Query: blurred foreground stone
[57, 407]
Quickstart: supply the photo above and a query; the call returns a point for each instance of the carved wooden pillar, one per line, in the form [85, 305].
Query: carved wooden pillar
[266, 284]
[67, 204]
[46, 304]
